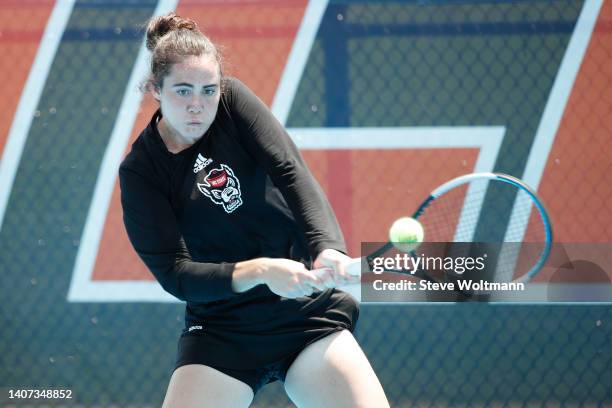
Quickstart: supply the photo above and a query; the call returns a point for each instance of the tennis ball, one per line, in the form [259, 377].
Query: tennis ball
[406, 234]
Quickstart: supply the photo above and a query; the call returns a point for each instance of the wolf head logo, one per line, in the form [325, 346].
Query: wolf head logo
[223, 188]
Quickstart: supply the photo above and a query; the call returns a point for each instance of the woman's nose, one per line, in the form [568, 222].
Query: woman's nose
[195, 105]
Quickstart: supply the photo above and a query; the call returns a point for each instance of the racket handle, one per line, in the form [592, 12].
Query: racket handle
[354, 267]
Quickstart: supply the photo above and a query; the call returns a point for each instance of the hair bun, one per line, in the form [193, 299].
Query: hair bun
[162, 25]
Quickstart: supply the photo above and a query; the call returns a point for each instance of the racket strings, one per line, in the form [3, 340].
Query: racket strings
[447, 219]
[487, 211]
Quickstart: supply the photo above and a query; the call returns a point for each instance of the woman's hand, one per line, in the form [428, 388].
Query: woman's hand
[291, 279]
[284, 277]
[337, 263]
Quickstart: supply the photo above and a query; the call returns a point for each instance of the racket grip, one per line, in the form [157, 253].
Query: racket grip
[354, 267]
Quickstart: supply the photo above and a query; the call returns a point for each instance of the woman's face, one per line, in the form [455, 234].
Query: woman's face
[189, 97]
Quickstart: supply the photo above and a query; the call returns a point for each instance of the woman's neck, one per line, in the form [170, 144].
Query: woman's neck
[174, 143]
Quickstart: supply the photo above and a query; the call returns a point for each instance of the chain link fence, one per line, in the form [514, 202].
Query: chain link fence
[435, 70]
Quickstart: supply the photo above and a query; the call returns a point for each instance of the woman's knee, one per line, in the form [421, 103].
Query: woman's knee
[197, 385]
[339, 371]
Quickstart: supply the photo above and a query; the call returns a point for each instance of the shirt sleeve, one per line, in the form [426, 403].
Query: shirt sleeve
[153, 231]
[270, 144]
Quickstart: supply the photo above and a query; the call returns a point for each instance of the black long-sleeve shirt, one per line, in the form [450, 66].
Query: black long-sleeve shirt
[241, 191]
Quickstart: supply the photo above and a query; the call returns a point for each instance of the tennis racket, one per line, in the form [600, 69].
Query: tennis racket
[491, 209]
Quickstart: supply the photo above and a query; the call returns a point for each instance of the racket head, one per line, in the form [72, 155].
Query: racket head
[492, 209]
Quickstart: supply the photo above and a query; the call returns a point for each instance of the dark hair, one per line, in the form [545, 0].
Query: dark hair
[171, 38]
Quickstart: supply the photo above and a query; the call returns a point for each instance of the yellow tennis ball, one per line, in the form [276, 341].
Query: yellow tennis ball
[406, 234]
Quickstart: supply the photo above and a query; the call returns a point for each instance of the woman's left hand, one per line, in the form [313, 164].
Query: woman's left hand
[337, 261]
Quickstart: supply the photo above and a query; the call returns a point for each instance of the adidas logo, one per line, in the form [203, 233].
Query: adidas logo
[200, 163]
[192, 328]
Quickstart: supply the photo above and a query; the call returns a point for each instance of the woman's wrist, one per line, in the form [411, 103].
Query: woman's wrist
[248, 274]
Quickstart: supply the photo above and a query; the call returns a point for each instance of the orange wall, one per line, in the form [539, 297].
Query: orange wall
[21, 27]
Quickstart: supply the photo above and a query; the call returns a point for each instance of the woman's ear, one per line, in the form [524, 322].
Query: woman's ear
[156, 93]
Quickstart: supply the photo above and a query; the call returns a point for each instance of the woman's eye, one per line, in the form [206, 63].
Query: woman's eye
[183, 92]
[209, 92]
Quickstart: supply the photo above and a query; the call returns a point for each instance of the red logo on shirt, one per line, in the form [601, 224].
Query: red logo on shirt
[217, 178]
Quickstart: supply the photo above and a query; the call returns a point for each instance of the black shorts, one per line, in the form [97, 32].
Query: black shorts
[258, 357]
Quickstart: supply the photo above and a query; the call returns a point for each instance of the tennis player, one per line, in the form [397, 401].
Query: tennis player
[221, 207]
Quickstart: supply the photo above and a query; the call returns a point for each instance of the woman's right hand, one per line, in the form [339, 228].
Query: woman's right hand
[291, 279]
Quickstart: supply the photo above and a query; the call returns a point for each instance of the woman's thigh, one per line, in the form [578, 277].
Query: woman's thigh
[334, 372]
[197, 385]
